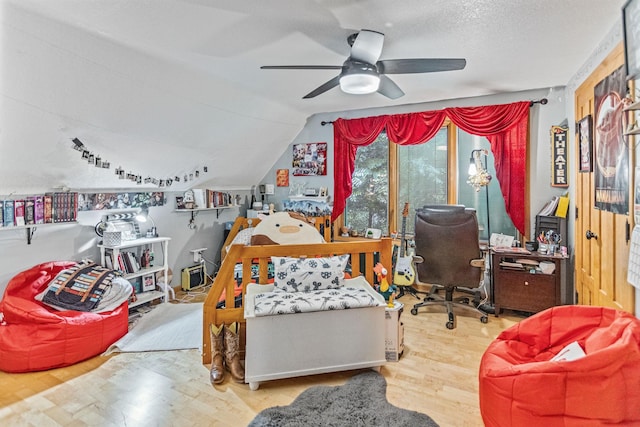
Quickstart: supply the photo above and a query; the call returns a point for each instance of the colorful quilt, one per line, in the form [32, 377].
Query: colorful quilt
[80, 287]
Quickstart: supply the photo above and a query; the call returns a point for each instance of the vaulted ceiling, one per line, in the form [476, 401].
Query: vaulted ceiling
[164, 87]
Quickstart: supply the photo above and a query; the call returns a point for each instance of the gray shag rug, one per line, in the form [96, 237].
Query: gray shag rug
[361, 401]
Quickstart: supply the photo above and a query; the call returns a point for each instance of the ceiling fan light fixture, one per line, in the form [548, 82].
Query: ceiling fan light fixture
[359, 84]
[359, 78]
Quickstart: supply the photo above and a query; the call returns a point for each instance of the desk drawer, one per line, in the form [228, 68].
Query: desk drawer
[524, 291]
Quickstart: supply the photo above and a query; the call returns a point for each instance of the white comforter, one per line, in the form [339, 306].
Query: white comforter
[264, 300]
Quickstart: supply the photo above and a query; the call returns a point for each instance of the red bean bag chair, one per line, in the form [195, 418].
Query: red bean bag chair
[521, 386]
[35, 337]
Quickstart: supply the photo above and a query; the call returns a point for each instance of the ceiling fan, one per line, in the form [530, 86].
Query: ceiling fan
[364, 73]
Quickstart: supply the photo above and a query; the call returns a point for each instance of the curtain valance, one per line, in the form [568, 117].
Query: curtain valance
[505, 126]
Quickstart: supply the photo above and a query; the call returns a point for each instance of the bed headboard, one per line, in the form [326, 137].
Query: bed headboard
[363, 255]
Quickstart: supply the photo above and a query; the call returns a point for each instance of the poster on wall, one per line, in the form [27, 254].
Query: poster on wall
[282, 177]
[611, 153]
[310, 159]
[105, 201]
[559, 142]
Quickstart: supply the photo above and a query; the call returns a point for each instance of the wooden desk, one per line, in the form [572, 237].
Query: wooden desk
[521, 288]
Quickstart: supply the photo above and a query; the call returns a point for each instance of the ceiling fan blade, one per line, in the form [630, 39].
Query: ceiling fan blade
[301, 67]
[420, 65]
[325, 87]
[367, 46]
[388, 88]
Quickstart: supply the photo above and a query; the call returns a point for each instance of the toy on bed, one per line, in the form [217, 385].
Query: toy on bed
[37, 335]
[383, 287]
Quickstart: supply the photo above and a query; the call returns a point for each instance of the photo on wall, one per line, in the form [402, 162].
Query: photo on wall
[611, 153]
[585, 136]
[310, 159]
[282, 177]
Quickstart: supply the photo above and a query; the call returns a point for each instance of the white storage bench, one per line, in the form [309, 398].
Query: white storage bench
[305, 343]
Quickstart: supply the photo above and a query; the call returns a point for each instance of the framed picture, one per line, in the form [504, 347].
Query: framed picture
[148, 282]
[310, 159]
[282, 177]
[585, 136]
[631, 35]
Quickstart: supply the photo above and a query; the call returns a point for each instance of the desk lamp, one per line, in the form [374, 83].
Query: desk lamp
[143, 216]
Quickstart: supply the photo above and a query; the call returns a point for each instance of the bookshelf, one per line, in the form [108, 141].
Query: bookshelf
[114, 257]
[29, 212]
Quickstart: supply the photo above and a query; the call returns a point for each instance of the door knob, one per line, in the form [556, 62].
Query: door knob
[591, 235]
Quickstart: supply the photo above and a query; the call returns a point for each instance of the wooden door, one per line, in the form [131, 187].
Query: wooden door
[600, 262]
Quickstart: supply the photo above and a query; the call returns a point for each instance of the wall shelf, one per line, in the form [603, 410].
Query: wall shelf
[31, 228]
[323, 199]
[195, 211]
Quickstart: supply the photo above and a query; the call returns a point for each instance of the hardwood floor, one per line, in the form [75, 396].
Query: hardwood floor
[437, 375]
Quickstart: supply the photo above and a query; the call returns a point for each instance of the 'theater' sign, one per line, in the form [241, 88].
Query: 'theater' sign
[559, 151]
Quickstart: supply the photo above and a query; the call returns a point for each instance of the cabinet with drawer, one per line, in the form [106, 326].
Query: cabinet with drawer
[519, 282]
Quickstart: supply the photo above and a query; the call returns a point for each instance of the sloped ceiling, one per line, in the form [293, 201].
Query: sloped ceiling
[162, 88]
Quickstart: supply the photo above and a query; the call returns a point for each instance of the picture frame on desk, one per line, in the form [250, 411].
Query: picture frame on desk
[148, 282]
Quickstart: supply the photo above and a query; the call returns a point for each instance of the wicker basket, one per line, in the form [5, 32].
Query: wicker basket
[112, 238]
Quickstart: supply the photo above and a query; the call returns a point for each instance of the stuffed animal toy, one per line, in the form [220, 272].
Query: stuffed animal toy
[285, 228]
[384, 288]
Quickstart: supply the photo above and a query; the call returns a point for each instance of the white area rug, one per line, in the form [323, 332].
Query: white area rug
[166, 327]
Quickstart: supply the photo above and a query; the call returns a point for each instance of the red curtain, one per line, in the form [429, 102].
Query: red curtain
[505, 126]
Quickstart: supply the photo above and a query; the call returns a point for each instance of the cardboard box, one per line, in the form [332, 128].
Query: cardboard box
[394, 340]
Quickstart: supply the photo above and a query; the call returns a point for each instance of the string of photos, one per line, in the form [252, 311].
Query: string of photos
[99, 162]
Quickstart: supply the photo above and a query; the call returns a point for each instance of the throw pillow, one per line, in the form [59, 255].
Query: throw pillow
[309, 274]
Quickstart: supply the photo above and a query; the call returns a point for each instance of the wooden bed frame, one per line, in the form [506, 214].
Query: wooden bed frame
[362, 254]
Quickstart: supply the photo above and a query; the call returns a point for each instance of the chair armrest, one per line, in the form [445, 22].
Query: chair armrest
[477, 263]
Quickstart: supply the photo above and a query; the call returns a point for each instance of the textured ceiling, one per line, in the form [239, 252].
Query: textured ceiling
[178, 83]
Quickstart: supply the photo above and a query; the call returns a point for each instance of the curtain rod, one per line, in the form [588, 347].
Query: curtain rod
[542, 101]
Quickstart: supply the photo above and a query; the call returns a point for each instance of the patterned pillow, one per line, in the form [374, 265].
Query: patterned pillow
[309, 274]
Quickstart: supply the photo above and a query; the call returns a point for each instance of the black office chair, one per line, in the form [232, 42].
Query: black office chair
[448, 257]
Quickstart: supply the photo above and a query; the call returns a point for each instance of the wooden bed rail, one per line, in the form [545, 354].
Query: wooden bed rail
[362, 261]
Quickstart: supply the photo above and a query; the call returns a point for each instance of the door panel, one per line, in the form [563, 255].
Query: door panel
[600, 263]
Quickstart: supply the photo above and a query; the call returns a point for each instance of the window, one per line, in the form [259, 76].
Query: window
[387, 174]
[368, 205]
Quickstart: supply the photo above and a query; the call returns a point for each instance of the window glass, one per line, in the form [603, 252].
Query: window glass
[367, 207]
[490, 195]
[422, 176]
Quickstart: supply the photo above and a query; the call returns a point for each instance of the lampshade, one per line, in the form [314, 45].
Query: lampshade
[143, 216]
[472, 166]
[359, 78]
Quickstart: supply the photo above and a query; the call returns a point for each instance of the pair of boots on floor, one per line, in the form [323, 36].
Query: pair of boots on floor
[225, 352]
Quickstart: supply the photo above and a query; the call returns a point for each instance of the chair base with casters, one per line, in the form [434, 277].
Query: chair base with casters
[449, 302]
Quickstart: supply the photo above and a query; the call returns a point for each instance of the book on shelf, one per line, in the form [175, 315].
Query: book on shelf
[549, 209]
[18, 212]
[29, 211]
[38, 209]
[1, 213]
[563, 206]
[8, 213]
[47, 208]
